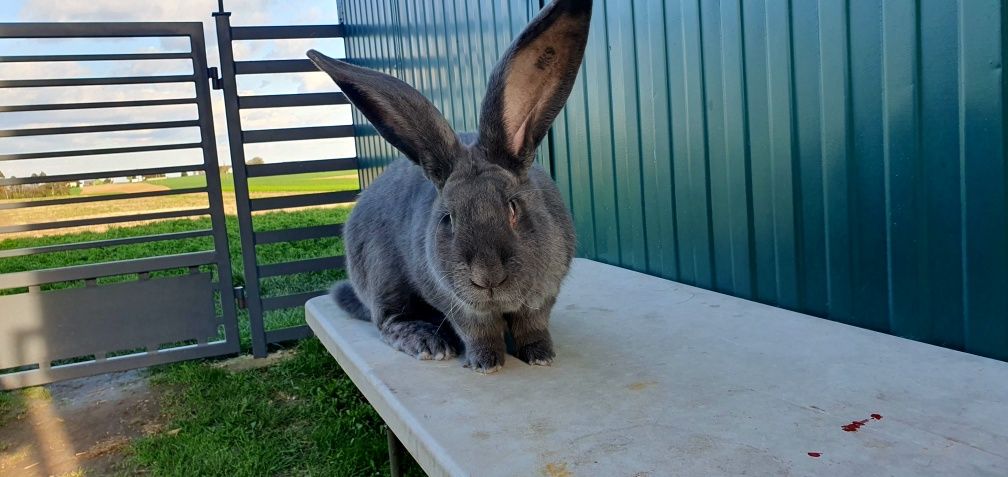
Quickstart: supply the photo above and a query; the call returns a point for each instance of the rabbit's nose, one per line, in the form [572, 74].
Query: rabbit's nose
[487, 277]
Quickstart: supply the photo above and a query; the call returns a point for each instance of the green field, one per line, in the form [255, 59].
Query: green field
[313, 182]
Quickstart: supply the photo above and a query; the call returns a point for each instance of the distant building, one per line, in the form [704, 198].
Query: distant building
[120, 180]
[172, 175]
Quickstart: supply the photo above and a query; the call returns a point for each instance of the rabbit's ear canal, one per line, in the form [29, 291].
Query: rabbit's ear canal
[400, 113]
[531, 83]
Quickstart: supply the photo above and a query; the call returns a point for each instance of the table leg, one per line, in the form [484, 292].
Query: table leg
[395, 452]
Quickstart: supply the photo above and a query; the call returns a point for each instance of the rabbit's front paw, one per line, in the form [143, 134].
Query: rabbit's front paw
[418, 339]
[539, 353]
[435, 348]
[484, 360]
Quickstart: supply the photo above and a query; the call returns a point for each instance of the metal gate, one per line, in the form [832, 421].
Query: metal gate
[109, 315]
[258, 301]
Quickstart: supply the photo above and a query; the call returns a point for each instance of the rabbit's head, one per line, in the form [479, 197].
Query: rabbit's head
[493, 232]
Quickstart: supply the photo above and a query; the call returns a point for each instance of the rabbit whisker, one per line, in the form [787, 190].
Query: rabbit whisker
[516, 194]
[443, 320]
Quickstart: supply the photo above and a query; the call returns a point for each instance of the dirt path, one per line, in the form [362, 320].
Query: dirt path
[118, 207]
[77, 427]
[103, 189]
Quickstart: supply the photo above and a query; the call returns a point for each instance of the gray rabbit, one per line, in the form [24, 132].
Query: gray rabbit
[468, 231]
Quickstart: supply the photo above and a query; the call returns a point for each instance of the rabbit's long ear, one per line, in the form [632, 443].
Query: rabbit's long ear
[403, 116]
[531, 83]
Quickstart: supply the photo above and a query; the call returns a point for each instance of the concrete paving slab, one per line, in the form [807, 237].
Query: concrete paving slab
[656, 378]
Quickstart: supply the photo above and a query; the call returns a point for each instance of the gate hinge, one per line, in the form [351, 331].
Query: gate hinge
[215, 79]
[240, 298]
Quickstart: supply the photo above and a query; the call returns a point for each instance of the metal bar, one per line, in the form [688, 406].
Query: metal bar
[274, 66]
[297, 134]
[44, 83]
[97, 128]
[287, 32]
[107, 269]
[289, 301]
[303, 167]
[103, 220]
[213, 182]
[37, 377]
[94, 105]
[20, 252]
[302, 266]
[288, 100]
[96, 30]
[107, 57]
[303, 233]
[95, 152]
[100, 198]
[295, 333]
[303, 200]
[257, 329]
[99, 175]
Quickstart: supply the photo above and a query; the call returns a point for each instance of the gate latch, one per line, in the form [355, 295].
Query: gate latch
[215, 79]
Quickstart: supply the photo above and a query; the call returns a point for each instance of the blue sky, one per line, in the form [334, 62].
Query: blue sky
[244, 12]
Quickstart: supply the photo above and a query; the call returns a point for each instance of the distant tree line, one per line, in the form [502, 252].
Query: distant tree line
[32, 191]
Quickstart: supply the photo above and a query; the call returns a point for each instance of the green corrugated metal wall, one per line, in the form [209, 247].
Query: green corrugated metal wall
[423, 43]
[840, 158]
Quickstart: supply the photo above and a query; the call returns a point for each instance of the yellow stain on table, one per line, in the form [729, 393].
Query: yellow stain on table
[557, 470]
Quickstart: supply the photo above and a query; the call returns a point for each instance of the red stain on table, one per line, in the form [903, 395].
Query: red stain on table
[855, 425]
[852, 427]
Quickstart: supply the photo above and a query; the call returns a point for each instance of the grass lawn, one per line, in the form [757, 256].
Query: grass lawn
[301, 416]
[313, 182]
[10, 404]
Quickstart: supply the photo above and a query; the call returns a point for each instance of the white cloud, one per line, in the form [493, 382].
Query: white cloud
[12, 71]
[315, 83]
[154, 68]
[115, 10]
[247, 50]
[304, 116]
[85, 94]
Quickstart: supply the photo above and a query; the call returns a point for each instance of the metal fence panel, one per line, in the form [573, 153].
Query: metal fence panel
[258, 305]
[844, 159]
[93, 318]
[110, 307]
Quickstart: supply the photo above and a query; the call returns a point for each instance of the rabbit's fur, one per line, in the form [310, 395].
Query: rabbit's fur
[467, 240]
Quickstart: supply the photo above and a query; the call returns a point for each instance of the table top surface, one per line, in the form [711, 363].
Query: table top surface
[657, 378]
